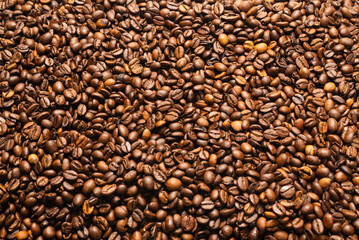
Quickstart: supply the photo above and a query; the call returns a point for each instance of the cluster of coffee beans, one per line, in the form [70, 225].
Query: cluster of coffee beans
[165, 119]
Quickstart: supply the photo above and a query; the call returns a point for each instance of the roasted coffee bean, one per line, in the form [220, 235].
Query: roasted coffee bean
[49, 232]
[318, 226]
[242, 184]
[279, 209]
[188, 223]
[173, 184]
[108, 189]
[207, 204]
[87, 208]
[70, 175]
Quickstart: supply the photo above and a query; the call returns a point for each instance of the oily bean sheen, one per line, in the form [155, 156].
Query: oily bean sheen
[190, 119]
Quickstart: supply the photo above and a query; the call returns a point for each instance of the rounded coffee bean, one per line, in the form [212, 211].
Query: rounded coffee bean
[173, 184]
[49, 232]
[148, 183]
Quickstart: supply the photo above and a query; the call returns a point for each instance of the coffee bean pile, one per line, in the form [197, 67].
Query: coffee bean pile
[193, 119]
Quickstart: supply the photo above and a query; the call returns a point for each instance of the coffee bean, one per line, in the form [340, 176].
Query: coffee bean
[279, 209]
[223, 39]
[207, 204]
[83, 233]
[297, 223]
[287, 191]
[51, 146]
[280, 235]
[70, 93]
[318, 226]
[87, 208]
[328, 220]
[188, 223]
[94, 232]
[261, 47]
[70, 175]
[49, 232]
[33, 158]
[22, 235]
[108, 189]
[148, 183]
[242, 184]
[159, 175]
[101, 223]
[42, 181]
[114, 236]
[173, 184]
[13, 184]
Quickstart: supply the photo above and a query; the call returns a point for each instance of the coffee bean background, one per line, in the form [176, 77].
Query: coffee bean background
[193, 119]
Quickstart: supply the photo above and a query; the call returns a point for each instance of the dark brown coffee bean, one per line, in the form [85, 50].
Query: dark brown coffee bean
[70, 175]
[159, 175]
[148, 183]
[176, 94]
[13, 184]
[270, 134]
[70, 93]
[49, 232]
[94, 232]
[188, 223]
[42, 181]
